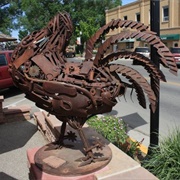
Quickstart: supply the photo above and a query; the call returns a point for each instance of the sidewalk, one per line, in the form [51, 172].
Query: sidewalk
[15, 139]
[18, 137]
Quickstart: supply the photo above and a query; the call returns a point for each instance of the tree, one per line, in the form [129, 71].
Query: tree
[87, 15]
[92, 16]
[9, 11]
[4, 19]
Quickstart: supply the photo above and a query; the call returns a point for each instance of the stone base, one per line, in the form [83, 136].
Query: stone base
[67, 161]
[18, 113]
[36, 173]
[48, 124]
[121, 165]
[11, 114]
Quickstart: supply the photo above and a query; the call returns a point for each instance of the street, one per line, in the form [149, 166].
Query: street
[139, 118]
[128, 108]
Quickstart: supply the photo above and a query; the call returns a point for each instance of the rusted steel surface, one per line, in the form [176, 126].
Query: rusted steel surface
[73, 91]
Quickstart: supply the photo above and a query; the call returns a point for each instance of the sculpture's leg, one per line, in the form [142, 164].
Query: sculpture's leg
[60, 141]
[70, 136]
[89, 157]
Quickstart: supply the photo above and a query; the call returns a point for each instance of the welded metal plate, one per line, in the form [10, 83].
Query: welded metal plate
[65, 161]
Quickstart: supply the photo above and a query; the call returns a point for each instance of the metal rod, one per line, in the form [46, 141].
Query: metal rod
[154, 117]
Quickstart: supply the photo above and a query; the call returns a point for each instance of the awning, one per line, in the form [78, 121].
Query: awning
[170, 37]
[5, 38]
[126, 40]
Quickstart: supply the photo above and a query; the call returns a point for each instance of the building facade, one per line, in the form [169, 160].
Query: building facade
[140, 11]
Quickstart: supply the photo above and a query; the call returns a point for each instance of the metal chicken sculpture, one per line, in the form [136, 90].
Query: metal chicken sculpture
[74, 91]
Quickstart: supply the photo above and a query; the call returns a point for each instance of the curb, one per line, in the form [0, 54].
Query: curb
[142, 147]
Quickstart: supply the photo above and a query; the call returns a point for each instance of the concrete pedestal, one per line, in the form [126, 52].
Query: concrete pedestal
[120, 167]
[12, 114]
[36, 173]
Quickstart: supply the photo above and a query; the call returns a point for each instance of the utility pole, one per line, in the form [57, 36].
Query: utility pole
[154, 117]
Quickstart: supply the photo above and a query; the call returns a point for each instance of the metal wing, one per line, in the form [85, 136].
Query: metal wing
[137, 81]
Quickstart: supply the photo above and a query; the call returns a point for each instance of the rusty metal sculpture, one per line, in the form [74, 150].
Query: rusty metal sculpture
[73, 91]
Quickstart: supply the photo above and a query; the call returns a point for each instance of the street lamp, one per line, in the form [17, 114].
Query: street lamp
[154, 117]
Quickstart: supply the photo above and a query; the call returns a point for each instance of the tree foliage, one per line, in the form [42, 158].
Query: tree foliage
[9, 12]
[87, 15]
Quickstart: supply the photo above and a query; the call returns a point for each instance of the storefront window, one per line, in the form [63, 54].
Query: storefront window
[129, 45]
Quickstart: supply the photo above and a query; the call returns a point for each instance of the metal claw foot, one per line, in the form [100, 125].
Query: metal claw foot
[92, 157]
[88, 160]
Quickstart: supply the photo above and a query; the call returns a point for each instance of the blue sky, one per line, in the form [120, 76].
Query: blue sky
[127, 1]
[15, 33]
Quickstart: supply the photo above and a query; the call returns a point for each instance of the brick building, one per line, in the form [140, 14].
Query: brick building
[140, 11]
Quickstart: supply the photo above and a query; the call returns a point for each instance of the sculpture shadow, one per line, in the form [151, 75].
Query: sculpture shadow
[6, 176]
[90, 134]
[15, 135]
[10, 92]
[133, 120]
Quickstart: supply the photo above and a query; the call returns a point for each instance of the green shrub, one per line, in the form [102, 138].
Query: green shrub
[114, 130]
[164, 160]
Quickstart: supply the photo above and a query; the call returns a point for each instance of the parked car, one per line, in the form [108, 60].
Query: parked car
[5, 78]
[176, 53]
[141, 50]
[70, 52]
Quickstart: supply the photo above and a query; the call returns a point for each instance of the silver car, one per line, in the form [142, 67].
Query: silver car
[143, 50]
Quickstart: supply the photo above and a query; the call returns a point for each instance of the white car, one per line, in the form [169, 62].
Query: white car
[143, 50]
